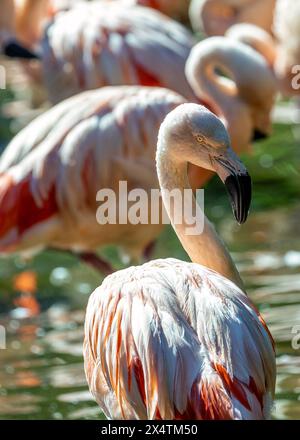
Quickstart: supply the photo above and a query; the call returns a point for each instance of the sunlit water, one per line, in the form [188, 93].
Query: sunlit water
[41, 370]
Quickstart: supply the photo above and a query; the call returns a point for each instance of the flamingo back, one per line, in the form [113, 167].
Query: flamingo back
[175, 340]
[114, 44]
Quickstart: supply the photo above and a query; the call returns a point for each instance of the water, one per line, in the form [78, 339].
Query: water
[41, 371]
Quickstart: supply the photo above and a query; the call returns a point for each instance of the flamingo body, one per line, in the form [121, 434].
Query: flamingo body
[175, 340]
[114, 44]
[52, 170]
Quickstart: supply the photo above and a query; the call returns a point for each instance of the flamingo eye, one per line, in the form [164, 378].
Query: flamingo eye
[200, 138]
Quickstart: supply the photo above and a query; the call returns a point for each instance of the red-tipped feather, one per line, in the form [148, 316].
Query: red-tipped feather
[18, 209]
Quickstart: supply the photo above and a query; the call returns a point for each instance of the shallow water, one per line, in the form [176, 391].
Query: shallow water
[41, 371]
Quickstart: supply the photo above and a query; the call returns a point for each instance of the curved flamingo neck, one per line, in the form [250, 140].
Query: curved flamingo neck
[257, 38]
[218, 93]
[206, 248]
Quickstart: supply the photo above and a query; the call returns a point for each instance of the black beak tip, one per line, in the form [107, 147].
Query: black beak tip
[14, 49]
[258, 135]
[239, 188]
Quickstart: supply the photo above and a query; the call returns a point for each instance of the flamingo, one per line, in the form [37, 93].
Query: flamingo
[178, 340]
[214, 17]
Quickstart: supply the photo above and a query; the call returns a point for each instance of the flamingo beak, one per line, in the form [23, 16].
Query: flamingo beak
[238, 184]
[14, 49]
[239, 189]
[258, 135]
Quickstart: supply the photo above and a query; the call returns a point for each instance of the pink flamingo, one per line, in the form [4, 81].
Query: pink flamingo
[177, 340]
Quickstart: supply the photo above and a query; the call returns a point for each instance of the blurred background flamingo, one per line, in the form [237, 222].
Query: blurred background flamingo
[170, 339]
[282, 51]
[214, 17]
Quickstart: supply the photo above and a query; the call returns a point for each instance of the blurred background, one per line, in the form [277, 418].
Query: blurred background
[43, 300]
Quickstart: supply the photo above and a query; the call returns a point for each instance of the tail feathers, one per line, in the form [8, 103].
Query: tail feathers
[146, 78]
[215, 396]
[19, 211]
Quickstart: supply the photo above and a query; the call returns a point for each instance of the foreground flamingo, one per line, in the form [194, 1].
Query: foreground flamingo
[177, 340]
[214, 17]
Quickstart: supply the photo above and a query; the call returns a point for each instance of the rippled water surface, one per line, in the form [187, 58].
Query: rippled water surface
[41, 371]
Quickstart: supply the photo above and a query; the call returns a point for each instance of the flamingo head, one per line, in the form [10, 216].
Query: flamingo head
[198, 136]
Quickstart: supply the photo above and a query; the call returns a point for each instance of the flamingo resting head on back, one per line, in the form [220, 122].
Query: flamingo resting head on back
[177, 340]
